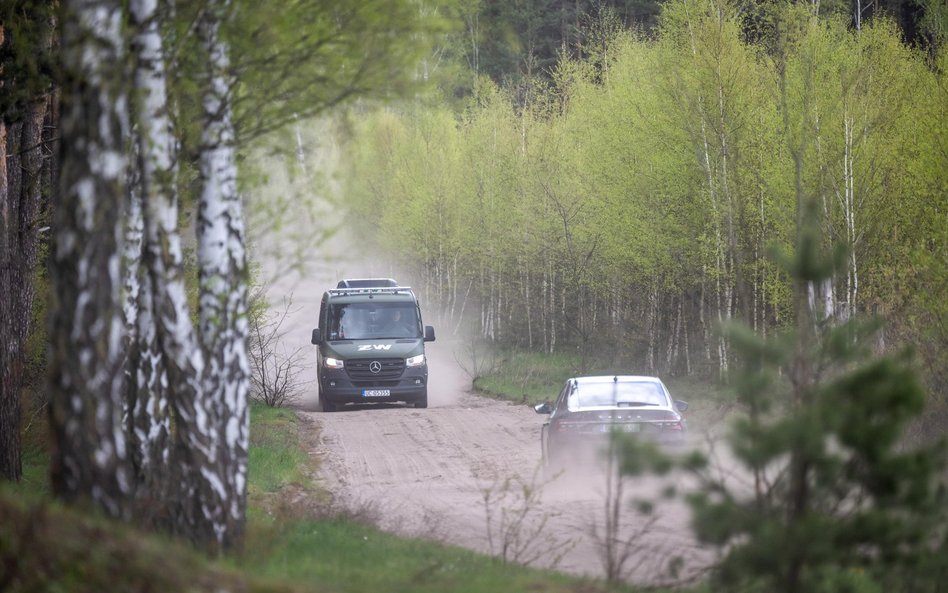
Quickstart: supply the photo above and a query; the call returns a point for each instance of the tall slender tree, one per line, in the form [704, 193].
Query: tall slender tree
[25, 86]
[86, 379]
[222, 263]
[151, 185]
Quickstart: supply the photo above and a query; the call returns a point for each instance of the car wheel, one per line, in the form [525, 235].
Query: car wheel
[328, 406]
[423, 402]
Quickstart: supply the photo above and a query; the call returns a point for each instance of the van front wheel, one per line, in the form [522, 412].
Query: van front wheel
[423, 402]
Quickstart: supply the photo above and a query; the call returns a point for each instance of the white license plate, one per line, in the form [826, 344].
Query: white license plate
[631, 427]
[376, 392]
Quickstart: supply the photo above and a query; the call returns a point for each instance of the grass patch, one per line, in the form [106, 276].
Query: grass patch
[344, 555]
[275, 458]
[46, 547]
[35, 478]
[528, 377]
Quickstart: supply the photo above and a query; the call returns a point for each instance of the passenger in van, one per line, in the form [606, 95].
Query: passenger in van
[399, 326]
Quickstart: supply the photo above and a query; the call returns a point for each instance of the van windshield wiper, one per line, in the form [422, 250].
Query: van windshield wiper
[635, 404]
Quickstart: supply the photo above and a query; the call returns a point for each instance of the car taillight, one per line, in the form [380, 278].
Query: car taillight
[560, 426]
[672, 422]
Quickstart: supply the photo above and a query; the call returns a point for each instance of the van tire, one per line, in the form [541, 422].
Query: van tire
[423, 402]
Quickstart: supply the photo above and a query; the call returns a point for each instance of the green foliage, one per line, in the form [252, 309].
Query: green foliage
[838, 501]
[296, 60]
[28, 64]
[659, 174]
[869, 505]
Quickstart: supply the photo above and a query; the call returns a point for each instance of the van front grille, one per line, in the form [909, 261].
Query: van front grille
[361, 369]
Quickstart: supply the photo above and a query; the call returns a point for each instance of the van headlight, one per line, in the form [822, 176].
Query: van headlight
[334, 363]
[415, 361]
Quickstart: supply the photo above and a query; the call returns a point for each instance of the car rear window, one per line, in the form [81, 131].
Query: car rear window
[623, 393]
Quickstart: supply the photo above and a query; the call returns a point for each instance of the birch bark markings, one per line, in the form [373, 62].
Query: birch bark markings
[197, 509]
[223, 281]
[147, 413]
[89, 454]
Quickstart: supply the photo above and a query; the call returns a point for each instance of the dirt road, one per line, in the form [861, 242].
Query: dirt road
[427, 472]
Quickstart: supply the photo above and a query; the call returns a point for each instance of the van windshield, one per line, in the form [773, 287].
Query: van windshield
[373, 321]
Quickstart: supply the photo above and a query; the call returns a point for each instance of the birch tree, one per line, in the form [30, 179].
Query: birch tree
[222, 263]
[152, 190]
[90, 452]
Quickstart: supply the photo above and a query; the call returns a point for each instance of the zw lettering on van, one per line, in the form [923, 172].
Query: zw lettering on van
[374, 347]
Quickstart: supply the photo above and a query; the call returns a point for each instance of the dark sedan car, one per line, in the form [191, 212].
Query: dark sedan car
[588, 409]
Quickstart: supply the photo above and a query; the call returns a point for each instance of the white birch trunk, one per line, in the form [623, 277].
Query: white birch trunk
[198, 514]
[148, 419]
[705, 332]
[131, 264]
[222, 265]
[849, 204]
[87, 387]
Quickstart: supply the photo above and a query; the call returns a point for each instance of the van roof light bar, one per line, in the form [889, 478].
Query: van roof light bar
[372, 290]
[367, 283]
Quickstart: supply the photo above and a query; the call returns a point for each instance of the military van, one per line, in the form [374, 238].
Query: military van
[370, 345]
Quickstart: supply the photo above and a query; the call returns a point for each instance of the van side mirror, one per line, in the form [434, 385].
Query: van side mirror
[429, 334]
[544, 408]
[682, 406]
[316, 339]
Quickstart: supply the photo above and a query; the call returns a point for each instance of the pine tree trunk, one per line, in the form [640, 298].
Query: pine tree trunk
[21, 203]
[10, 458]
[223, 282]
[89, 453]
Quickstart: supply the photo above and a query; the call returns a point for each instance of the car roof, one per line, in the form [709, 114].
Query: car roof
[616, 378]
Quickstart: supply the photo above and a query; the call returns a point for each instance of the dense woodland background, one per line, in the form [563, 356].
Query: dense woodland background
[622, 180]
[626, 197]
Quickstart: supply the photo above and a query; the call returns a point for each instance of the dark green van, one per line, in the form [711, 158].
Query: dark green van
[370, 345]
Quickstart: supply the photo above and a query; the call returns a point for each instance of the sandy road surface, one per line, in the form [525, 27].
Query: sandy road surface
[425, 473]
